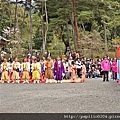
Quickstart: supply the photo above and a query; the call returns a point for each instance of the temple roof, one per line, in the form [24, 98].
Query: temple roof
[4, 39]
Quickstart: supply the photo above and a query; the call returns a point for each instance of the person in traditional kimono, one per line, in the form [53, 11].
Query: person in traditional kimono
[74, 72]
[78, 65]
[4, 69]
[58, 69]
[83, 72]
[70, 64]
[15, 71]
[25, 71]
[67, 74]
[42, 62]
[36, 71]
[49, 69]
[10, 69]
[43, 78]
[114, 69]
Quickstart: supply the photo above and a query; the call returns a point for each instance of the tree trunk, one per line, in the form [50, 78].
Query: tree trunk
[46, 24]
[105, 37]
[9, 5]
[16, 17]
[65, 43]
[2, 5]
[75, 25]
[43, 45]
[83, 26]
[30, 27]
[23, 21]
[74, 35]
[15, 27]
[68, 32]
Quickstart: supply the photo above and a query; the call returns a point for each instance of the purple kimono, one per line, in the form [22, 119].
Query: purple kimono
[58, 70]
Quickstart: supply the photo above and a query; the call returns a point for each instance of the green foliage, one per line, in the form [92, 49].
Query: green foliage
[116, 41]
[91, 16]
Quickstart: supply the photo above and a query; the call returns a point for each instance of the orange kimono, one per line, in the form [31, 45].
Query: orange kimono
[48, 70]
[83, 73]
[74, 72]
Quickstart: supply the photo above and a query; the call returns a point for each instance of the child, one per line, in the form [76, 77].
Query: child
[74, 72]
[43, 78]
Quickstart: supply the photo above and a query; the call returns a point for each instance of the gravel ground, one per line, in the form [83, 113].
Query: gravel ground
[93, 96]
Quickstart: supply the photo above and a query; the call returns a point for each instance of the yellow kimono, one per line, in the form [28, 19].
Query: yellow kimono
[4, 68]
[36, 71]
[15, 70]
[25, 68]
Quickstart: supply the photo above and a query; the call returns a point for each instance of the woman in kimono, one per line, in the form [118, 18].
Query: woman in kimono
[74, 72]
[83, 72]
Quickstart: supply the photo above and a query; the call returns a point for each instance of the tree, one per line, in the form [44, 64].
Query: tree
[92, 42]
[60, 17]
[116, 41]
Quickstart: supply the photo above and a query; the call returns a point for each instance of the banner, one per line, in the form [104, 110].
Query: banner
[118, 69]
[118, 52]
[60, 116]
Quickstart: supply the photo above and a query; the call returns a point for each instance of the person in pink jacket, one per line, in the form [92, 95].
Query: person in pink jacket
[105, 66]
[114, 69]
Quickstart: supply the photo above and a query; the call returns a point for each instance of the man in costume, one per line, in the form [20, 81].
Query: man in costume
[36, 71]
[49, 69]
[58, 69]
[15, 71]
[25, 69]
[4, 69]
